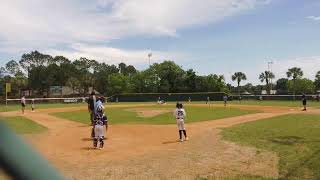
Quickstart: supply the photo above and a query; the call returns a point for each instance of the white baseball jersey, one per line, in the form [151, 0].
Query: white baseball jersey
[23, 100]
[180, 113]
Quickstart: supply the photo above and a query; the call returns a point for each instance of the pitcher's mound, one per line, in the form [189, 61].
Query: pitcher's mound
[143, 112]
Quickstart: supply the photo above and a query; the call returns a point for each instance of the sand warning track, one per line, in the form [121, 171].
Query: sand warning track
[151, 151]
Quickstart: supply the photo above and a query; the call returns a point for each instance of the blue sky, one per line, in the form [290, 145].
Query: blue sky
[212, 37]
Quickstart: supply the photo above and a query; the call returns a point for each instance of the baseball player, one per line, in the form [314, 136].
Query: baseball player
[23, 104]
[180, 115]
[304, 102]
[92, 104]
[100, 104]
[208, 100]
[225, 99]
[32, 105]
[99, 121]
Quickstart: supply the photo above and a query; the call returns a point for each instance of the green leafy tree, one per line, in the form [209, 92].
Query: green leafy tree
[12, 67]
[294, 73]
[166, 77]
[190, 80]
[34, 59]
[73, 83]
[84, 73]
[301, 86]
[317, 81]
[238, 77]
[118, 84]
[282, 85]
[266, 76]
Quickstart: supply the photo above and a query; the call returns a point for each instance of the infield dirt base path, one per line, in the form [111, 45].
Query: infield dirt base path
[151, 151]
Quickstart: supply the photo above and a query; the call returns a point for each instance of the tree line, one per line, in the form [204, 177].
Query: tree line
[38, 72]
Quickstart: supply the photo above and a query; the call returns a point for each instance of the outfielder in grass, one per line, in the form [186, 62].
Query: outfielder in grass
[180, 115]
[225, 100]
[23, 104]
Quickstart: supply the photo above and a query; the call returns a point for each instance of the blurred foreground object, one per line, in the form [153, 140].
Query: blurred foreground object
[19, 161]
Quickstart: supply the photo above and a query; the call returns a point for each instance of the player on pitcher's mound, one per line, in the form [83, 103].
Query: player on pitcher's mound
[180, 115]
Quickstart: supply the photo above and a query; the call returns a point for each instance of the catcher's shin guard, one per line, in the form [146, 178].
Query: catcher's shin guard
[101, 142]
[95, 142]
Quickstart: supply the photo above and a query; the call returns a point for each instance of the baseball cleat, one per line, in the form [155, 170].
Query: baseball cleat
[186, 139]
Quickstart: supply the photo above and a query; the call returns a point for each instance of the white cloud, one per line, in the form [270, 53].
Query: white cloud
[111, 55]
[314, 18]
[43, 24]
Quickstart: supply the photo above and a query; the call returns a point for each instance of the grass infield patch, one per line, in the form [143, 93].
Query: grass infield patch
[3, 108]
[295, 138]
[125, 116]
[22, 125]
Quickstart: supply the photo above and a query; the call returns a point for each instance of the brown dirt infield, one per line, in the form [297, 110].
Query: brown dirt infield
[151, 151]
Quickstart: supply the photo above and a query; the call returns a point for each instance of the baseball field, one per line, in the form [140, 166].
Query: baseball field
[247, 140]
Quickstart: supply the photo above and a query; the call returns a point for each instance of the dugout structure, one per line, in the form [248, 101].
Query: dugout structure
[173, 97]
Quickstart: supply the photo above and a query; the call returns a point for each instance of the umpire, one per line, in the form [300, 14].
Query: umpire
[92, 102]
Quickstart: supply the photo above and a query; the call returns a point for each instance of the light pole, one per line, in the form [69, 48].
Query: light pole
[270, 70]
[149, 55]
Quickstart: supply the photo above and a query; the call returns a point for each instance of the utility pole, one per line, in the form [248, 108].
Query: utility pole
[149, 55]
[270, 70]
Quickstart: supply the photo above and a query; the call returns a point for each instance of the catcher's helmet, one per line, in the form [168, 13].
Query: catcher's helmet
[99, 109]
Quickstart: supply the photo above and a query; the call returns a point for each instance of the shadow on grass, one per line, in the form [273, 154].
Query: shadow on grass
[291, 140]
[287, 140]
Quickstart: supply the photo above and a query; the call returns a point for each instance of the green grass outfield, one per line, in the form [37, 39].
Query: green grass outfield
[22, 125]
[295, 138]
[124, 116]
[3, 108]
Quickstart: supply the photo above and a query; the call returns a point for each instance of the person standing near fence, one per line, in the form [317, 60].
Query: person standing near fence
[225, 100]
[23, 104]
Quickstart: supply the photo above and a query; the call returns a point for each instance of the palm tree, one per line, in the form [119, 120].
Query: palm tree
[267, 76]
[239, 76]
[295, 73]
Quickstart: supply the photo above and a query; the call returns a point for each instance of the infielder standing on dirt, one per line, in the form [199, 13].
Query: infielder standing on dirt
[32, 105]
[99, 121]
[180, 115]
[304, 102]
[23, 104]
